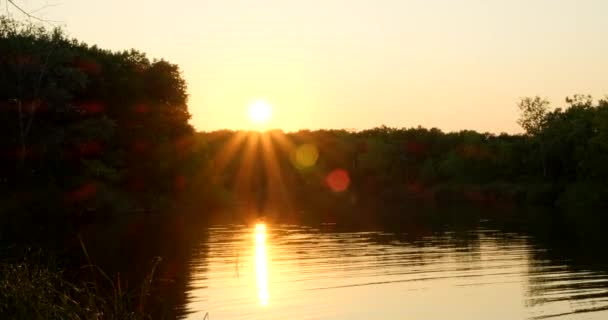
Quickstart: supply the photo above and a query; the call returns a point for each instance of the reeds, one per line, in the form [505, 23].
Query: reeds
[35, 288]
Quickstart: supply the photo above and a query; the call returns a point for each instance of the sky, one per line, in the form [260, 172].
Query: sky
[357, 64]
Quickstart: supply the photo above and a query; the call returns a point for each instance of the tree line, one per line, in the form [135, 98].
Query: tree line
[86, 128]
[559, 162]
[88, 131]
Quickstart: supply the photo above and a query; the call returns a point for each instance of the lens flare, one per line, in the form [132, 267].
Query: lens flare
[338, 180]
[306, 156]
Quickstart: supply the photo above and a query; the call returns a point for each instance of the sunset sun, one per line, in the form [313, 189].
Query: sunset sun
[260, 111]
[338, 159]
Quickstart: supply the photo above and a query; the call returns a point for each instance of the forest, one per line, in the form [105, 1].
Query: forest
[91, 135]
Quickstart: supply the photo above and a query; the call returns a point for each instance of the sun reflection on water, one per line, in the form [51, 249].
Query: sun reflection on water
[261, 264]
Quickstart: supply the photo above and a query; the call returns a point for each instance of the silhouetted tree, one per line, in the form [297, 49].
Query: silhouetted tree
[532, 118]
[86, 128]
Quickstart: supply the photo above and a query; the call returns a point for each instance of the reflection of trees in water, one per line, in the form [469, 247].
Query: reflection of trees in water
[560, 269]
[185, 258]
[567, 273]
[128, 247]
[566, 270]
[433, 253]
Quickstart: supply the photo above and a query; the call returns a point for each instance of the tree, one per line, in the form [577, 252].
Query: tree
[82, 121]
[532, 119]
[533, 113]
[580, 100]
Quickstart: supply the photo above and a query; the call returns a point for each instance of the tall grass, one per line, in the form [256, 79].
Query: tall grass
[36, 288]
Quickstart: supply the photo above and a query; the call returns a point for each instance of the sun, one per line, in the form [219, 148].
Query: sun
[260, 111]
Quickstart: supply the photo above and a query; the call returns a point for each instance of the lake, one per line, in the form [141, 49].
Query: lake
[269, 271]
[287, 271]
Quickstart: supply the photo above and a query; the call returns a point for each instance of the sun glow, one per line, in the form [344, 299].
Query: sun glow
[260, 111]
[261, 264]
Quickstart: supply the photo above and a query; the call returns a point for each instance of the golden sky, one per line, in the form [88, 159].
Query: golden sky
[356, 64]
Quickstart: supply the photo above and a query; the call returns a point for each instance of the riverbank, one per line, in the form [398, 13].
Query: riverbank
[35, 286]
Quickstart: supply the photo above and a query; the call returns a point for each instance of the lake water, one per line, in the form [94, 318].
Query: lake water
[298, 272]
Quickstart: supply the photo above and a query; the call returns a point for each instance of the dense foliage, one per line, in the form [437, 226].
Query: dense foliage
[85, 128]
[88, 131]
[559, 162]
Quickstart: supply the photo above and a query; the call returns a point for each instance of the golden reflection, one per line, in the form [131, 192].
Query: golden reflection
[261, 263]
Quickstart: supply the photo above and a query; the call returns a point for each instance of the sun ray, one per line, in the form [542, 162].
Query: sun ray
[226, 154]
[261, 181]
[244, 182]
[285, 145]
[277, 190]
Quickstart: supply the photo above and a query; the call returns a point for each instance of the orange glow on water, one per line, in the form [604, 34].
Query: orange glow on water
[261, 264]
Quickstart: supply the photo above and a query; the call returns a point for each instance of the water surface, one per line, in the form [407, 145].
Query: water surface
[297, 272]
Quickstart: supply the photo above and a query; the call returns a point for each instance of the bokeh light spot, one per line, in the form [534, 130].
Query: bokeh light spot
[141, 108]
[306, 156]
[91, 108]
[338, 180]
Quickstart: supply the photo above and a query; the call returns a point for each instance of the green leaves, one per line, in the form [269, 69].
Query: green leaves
[70, 112]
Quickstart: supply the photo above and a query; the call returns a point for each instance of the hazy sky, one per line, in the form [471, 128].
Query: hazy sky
[451, 64]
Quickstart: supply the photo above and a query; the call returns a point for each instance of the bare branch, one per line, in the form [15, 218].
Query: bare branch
[46, 6]
[29, 14]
